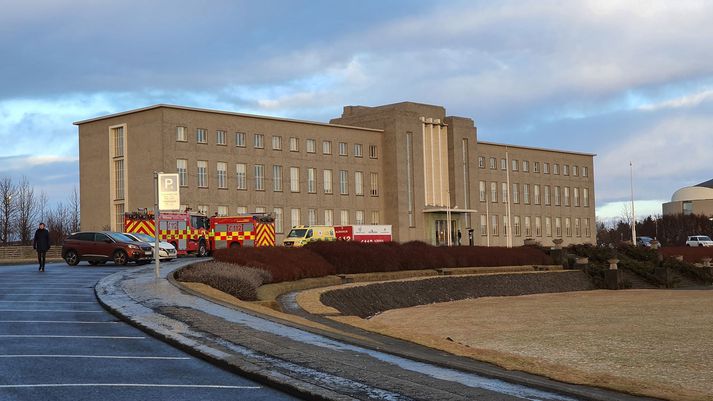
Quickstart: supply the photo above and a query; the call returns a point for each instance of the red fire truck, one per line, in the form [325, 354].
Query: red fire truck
[196, 233]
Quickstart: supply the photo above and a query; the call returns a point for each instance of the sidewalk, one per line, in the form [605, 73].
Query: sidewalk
[340, 364]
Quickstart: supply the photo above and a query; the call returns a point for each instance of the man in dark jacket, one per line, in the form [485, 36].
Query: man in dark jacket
[41, 243]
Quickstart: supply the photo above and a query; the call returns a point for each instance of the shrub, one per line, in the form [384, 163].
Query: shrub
[238, 281]
[284, 264]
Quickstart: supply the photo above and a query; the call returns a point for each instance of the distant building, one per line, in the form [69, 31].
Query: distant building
[406, 164]
[696, 199]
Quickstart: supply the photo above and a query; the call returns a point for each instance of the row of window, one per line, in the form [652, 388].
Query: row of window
[312, 217]
[527, 229]
[295, 178]
[562, 195]
[259, 142]
[524, 166]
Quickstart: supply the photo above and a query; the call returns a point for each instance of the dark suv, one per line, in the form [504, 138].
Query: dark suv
[100, 247]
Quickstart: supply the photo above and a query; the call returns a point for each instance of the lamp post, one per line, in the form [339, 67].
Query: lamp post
[633, 211]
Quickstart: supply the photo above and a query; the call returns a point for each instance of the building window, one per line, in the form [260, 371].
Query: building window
[357, 150]
[294, 144]
[481, 189]
[344, 217]
[327, 147]
[312, 217]
[343, 182]
[547, 195]
[516, 226]
[504, 192]
[182, 169]
[259, 141]
[259, 209]
[575, 171]
[203, 209]
[548, 226]
[585, 197]
[358, 183]
[687, 207]
[328, 217]
[374, 188]
[295, 217]
[373, 152]
[311, 146]
[311, 180]
[538, 226]
[359, 217]
[327, 181]
[494, 224]
[577, 227]
[586, 228]
[240, 139]
[222, 174]
[515, 193]
[493, 163]
[259, 177]
[222, 210]
[119, 216]
[536, 193]
[557, 196]
[483, 225]
[575, 195]
[277, 178]
[505, 225]
[566, 196]
[202, 174]
[493, 192]
[568, 226]
[294, 179]
[585, 172]
[528, 227]
[503, 164]
[242, 210]
[525, 166]
[374, 217]
[119, 179]
[276, 142]
[565, 169]
[277, 212]
[526, 194]
[343, 149]
[515, 164]
[481, 161]
[241, 176]
[181, 134]
[545, 168]
[535, 167]
[201, 135]
[558, 226]
[555, 169]
[220, 138]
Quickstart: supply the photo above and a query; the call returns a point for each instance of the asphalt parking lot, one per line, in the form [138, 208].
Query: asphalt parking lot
[58, 343]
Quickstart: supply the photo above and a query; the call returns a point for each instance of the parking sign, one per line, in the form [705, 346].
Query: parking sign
[168, 193]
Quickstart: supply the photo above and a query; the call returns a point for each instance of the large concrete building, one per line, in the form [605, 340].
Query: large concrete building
[406, 164]
[696, 199]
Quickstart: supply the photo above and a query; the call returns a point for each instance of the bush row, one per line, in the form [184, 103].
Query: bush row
[238, 281]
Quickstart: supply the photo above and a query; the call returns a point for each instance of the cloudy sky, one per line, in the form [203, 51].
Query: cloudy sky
[627, 80]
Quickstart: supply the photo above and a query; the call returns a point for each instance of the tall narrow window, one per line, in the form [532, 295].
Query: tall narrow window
[294, 179]
[538, 226]
[241, 176]
[494, 224]
[294, 144]
[374, 187]
[357, 150]
[277, 212]
[555, 168]
[202, 174]
[557, 196]
[373, 152]
[525, 166]
[548, 226]
[565, 169]
[558, 226]
[328, 217]
[259, 141]
[344, 217]
[221, 173]
[327, 181]
[536, 193]
[311, 180]
[515, 193]
[358, 183]
[327, 147]
[240, 139]
[259, 177]
[545, 168]
[119, 178]
[575, 196]
[343, 149]
[585, 172]
[516, 226]
[182, 169]
[577, 227]
[409, 179]
[481, 190]
[526, 194]
[201, 135]
[493, 192]
[568, 226]
[586, 228]
[277, 178]
[374, 217]
[295, 217]
[536, 167]
[311, 146]
[528, 227]
[566, 196]
[359, 217]
[547, 195]
[220, 137]
[312, 217]
[343, 182]
[181, 134]
[483, 225]
[585, 197]
[119, 216]
[276, 142]
[481, 161]
[504, 192]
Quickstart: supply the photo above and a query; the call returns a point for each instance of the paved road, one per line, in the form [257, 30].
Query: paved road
[57, 343]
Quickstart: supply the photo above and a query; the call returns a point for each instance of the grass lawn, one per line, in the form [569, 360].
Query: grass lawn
[651, 342]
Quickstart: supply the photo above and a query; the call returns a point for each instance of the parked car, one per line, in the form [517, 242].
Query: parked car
[644, 241]
[166, 251]
[699, 240]
[103, 246]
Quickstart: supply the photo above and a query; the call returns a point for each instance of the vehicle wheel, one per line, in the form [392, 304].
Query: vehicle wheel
[93, 262]
[71, 258]
[120, 258]
[202, 250]
[235, 245]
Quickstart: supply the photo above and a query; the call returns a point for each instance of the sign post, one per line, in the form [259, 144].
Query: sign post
[167, 198]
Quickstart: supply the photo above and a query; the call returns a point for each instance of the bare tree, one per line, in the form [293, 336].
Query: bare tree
[58, 223]
[74, 222]
[42, 207]
[7, 208]
[26, 210]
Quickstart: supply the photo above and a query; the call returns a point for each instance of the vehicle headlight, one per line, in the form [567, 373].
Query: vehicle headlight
[133, 246]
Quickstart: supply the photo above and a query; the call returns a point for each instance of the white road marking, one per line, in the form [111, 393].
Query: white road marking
[46, 288]
[216, 386]
[60, 336]
[163, 358]
[44, 294]
[57, 321]
[51, 310]
[54, 302]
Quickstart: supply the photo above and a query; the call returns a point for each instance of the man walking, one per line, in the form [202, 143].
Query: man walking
[41, 243]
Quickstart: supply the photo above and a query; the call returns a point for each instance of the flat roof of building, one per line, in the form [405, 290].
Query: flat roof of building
[535, 148]
[231, 113]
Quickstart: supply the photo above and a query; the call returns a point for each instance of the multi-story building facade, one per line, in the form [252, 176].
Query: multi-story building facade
[406, 164]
